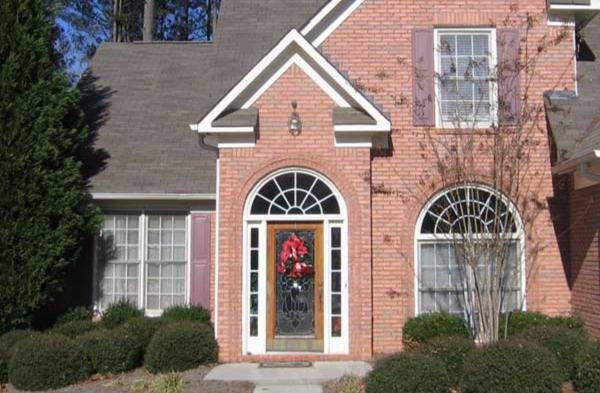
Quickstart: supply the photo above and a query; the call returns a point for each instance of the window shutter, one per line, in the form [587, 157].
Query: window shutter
[200, 280]
[509, 79]
[423, 77]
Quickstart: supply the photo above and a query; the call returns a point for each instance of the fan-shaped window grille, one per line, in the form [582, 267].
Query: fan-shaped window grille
[468, 210]
[295, 193]
[444, 278]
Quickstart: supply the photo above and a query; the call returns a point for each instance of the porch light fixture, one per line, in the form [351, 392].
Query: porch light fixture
[295, 124]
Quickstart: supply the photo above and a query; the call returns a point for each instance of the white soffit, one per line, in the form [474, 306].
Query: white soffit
[293, 49]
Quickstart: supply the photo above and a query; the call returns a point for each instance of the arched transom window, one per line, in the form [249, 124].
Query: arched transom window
[473, 216]
[295, 193]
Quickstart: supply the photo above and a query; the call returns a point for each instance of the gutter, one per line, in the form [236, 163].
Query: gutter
[152, 196]
[571, 165]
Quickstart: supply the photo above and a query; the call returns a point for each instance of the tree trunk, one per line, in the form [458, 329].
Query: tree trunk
[148, 33]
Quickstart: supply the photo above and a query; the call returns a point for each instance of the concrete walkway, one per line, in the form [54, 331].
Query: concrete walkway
[288, 380]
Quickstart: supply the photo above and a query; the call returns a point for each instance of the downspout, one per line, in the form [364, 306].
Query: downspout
[216, 322]
[585, 171]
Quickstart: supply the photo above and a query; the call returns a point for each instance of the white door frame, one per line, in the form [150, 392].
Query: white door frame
[258, 345]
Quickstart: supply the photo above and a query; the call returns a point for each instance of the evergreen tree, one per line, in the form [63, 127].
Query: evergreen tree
[44, 211]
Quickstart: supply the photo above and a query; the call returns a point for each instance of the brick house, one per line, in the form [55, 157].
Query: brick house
[310, 118]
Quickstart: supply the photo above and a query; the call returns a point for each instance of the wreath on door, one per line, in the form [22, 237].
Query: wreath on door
[295, 259]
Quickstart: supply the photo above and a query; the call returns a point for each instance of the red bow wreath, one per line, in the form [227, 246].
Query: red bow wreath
[295, 258]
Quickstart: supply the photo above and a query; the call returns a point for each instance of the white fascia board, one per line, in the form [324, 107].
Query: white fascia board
[362, 128]
[151, 196]
[315, 20]
[337, 22]
[236, 141]
[294, 37]
[594, 6]
[225, 130]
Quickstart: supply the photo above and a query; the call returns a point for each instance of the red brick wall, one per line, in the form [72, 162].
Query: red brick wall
[373, 45]
[241, 169]
[585, 255]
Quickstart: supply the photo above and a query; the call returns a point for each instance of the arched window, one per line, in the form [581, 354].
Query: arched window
[295, 193]
[460, 217]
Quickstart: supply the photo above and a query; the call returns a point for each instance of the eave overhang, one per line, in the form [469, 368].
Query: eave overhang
[579, 11]
[573, 165]
[292, 49]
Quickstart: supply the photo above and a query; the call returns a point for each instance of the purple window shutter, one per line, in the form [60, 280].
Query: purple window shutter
[423, 78]
[509, 80]
[200, 279]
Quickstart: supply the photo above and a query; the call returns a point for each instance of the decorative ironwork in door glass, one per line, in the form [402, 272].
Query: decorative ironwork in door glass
[295, 293]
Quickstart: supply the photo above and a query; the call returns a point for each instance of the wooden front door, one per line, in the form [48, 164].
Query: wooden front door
[295, 301]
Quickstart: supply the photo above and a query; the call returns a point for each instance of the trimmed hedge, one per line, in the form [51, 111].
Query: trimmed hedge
[423, 328]
[74, 329]
[112, 351]
[512, 367]
[587, 369]
[182, 313]
[452, 351]
[181, 346]
[521, 321]
[142, 329]
[564, 342]
[75, 314]
[120, 312]
[7, 342]
[408, 373]
[47, 362]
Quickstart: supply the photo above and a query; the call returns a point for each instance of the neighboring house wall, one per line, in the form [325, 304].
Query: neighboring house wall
[242, 169]
[374, 45]
[585, 255]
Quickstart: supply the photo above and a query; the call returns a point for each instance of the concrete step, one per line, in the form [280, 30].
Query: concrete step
[288, 389]
[319, 373]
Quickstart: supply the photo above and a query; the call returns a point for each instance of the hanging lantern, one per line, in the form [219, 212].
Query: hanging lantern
[295, 124]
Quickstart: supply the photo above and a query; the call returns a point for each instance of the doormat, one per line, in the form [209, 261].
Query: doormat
[286, 364]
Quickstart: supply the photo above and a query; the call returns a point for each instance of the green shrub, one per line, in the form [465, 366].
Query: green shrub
[564, 342]
[142, 330]
[120, 312]
[7, 342]
[181, 346]
[420, 329]
[112, 351]
[73, 329]
[75, 314]
[520, 321]
[512, 367]
[182, 313]
[408, 373]
[587, 369]
[47, 362]
[452, 351]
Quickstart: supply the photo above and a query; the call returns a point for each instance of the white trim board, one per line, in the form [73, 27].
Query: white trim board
[292, 49]
[109, 196]
[326, 21]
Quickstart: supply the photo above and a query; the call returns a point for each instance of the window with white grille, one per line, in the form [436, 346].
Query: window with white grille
[465, 62]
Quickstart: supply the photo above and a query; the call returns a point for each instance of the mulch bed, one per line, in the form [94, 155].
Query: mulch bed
[123, 384]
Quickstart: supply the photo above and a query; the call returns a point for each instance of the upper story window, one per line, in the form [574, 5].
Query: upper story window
[466, 88]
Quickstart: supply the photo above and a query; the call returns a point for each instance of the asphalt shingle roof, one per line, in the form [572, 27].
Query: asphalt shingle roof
[574, 121]
[142, 97]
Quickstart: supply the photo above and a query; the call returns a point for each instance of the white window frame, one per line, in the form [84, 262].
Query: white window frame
[420, 238]
[143, 240]
[258, 345]
[491, 32]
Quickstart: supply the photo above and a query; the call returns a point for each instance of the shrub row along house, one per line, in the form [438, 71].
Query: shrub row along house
[325, 170]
